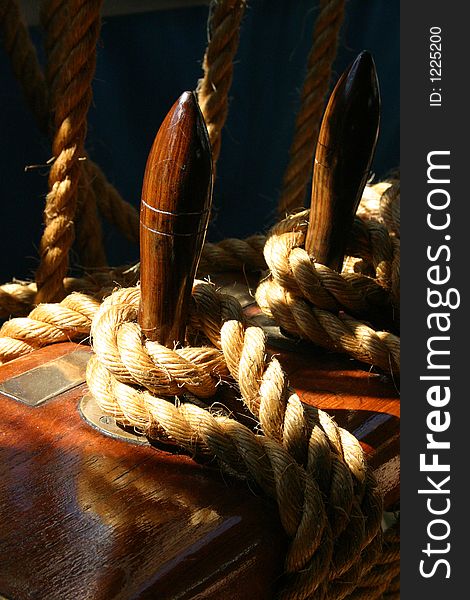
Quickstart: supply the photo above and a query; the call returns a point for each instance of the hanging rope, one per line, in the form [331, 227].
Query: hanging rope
[224, 30]
[72, 29]
[29, 74]
[117, 211]
[89, 237]
[314, 470]
[315, 88]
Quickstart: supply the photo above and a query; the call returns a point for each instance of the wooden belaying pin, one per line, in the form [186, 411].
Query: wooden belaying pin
[345, 148]
[175, 208]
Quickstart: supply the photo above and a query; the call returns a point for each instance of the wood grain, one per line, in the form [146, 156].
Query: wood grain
[91, 517]
[175, 207]
[87, 516]
[345, 148]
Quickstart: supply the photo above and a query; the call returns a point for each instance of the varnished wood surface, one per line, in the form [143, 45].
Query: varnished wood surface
[90, 517]
[175, 207]
[345, 148]
[85, 516]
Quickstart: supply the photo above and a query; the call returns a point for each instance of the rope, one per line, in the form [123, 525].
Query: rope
[382, 582]
[337, 333]
[331, 542]
[291, 267]
[47, 324]
[390, 208]
[117, 211]
[89, 241]
[70, 70]
[390, 215]
[317, 80]
[314, 470]
[378, 240]
[224, 30]
[370, 240]
[17, 299]
[29, 74]
[232, 254]
[312, 302]
[302, 458]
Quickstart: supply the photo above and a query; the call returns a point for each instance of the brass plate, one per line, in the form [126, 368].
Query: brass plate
[36, 386]
[94, 416]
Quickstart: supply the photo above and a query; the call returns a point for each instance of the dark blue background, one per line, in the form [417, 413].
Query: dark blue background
[144, 62]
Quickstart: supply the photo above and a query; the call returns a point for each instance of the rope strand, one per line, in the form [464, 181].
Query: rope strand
[71, 65]
[213, 88]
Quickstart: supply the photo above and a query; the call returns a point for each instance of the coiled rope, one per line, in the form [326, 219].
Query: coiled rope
[314, 470]
[370, 241]
[311, 301]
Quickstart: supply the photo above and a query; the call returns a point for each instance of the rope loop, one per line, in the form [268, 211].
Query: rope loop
[355, 312]
[314, 470]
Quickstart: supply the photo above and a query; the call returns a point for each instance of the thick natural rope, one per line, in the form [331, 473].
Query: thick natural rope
[390, 208]
[390, 215]
[117, 211]
[17, 299]
[89, 235]
[213, 88]
[127, 360]
[232, 254]
[382, 582]
[72, 29]
[29, 74]
[225, 22]
[315, 88]
[291, 267]
[377, 239]
[304, 456]
[335, 332]
[378, 250]
[329, 460]
[48, 324]
[315, 303]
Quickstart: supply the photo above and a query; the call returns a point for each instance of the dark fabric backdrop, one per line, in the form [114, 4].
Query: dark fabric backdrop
[144, 62]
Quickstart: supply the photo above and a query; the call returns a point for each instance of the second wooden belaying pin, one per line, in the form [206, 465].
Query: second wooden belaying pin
[175, 208]
[345, 147]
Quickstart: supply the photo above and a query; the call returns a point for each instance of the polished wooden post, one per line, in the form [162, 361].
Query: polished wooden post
[344, 153]
[175, 208]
